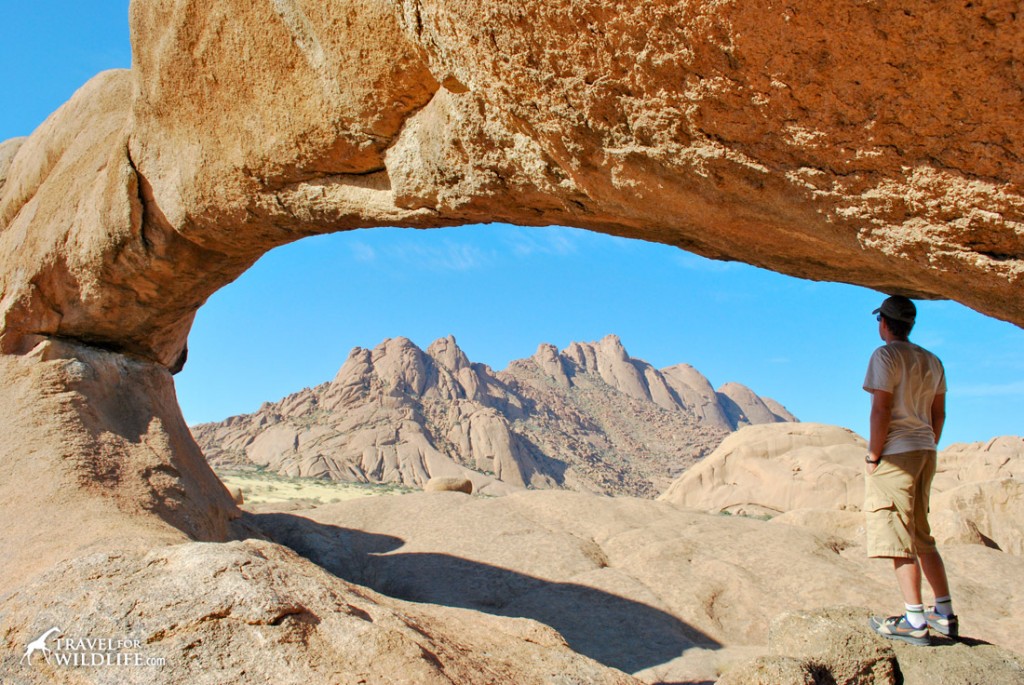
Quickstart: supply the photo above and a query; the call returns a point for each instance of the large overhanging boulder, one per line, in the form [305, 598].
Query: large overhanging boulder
[870, 143]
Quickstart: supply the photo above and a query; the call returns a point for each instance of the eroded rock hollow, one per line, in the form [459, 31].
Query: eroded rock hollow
[872, 143]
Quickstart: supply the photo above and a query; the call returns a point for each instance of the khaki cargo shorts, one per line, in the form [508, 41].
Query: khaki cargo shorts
[896, 505]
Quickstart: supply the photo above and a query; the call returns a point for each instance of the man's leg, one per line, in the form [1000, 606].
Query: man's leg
[935, 572]
[912, 626]
[908, 575]
[940, 619]
[930, 561]
[890, 495]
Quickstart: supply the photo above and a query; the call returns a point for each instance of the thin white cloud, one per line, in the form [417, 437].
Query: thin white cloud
[930, 341]
[990, 389]
[363, 252]
[551, 241]
[449, 256]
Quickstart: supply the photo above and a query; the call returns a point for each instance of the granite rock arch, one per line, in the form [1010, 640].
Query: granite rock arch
[870, 143]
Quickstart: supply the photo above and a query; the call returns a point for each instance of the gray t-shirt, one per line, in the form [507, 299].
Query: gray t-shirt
[914, 376]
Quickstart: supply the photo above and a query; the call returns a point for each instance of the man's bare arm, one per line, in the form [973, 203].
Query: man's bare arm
[938, 415]
[881, 417]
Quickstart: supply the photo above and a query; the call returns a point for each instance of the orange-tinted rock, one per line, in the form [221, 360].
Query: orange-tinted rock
[889, 157]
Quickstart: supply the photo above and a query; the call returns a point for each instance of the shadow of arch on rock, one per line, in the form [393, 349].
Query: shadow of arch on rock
[611, 629]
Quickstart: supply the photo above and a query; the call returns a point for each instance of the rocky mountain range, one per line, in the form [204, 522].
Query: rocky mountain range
[589, 418]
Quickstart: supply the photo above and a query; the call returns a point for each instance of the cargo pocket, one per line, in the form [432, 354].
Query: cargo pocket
[876, 502]
[880, 525]
[888, 529]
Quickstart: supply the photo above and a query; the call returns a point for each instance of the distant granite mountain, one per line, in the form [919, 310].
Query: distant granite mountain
[588, 418]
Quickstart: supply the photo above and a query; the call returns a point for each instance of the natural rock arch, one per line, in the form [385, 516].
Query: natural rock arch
[877, 144]
[871, 144]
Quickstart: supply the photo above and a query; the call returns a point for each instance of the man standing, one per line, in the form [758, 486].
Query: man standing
[908, 408]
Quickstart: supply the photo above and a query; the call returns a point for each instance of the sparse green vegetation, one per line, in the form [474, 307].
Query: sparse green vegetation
[756, 517]
[260, 486]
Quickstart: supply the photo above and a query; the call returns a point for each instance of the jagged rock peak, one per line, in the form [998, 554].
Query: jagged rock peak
[744, 407]
[613, 345]
[447, 353]
[588, 356]
[401, 365]
[608, 359]
[679, 388]
[696, 392]
[552, 364]
[398, 366]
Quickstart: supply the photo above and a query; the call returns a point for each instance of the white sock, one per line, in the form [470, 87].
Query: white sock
[944, 605]
[915, 615]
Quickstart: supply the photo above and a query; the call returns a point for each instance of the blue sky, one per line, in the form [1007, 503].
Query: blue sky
[290, 321]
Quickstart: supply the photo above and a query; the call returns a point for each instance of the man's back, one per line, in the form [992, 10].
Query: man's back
[914, 376]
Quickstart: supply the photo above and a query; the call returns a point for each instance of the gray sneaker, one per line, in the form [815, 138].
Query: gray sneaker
[899, 628]
[940, 623]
